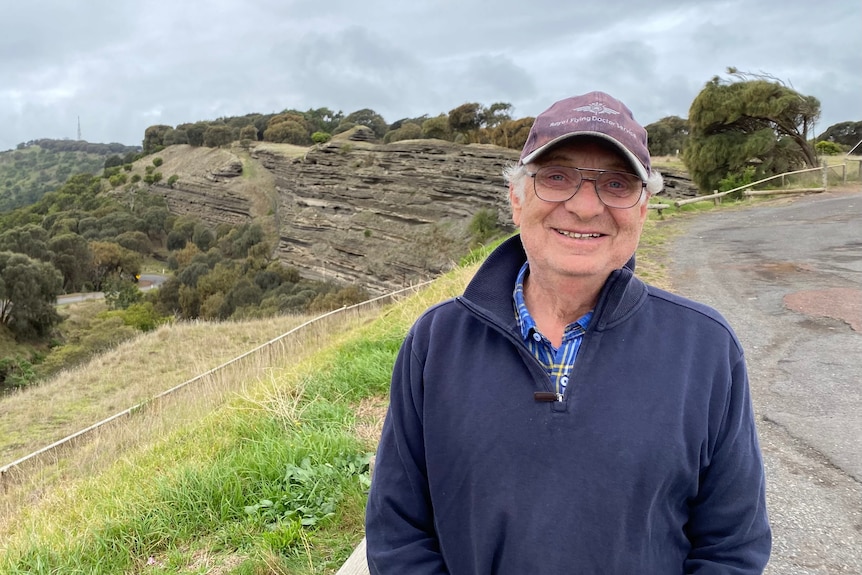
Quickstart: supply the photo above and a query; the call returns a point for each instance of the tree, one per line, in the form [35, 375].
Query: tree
[495, 114]
[844, 133]
[289, 132]
[154, 138]
[248, 133]
[754, 121]
[218, 135]
[465, 118]
[512, 133]
[668, 136]
[28, 295]
[323, 119]
[437, 128]
[120, 294]
[369, 118]
[407, 131]
[30, 239]
[111, 259]
[72, 257]
[174, 137]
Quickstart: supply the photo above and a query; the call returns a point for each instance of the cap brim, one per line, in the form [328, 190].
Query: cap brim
[633, 160]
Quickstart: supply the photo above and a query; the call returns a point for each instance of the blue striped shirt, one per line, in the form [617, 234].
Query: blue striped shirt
[557, 362]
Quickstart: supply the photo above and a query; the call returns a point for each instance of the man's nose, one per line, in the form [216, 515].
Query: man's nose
[586, 200]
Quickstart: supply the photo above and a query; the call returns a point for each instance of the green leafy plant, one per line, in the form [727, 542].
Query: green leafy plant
[736, 180]
[309, 492]
[825, 148]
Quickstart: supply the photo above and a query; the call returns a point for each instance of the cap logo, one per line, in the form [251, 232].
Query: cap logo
[596, 108]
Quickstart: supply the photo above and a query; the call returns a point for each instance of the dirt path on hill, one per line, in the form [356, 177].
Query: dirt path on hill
[788, 277]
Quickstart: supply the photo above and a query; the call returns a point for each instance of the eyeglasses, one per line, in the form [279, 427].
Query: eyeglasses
[614, 189]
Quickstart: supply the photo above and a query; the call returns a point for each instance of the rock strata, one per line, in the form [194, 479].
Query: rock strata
[379, 216]
[383, 216]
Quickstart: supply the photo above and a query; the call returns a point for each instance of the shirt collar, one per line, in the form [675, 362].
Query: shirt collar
[525, 321]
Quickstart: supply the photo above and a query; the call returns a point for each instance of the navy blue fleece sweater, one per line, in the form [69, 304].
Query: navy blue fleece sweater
[649, 465]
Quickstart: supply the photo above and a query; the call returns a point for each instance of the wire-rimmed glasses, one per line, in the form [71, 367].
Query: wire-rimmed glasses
[560, 183]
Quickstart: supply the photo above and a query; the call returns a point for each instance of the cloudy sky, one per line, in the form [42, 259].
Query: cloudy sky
[121, 66]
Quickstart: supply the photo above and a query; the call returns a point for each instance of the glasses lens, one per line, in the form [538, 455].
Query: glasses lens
[618, 189]
[556, 183]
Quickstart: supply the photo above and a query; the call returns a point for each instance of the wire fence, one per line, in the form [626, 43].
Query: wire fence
[166, 410]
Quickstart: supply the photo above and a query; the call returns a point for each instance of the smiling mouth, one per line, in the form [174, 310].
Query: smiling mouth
[578, 236]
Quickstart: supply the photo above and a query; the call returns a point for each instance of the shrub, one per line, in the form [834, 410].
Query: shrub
[157, 161]
[484, 226]
[828, 148]
[320, 137]
[732, 181]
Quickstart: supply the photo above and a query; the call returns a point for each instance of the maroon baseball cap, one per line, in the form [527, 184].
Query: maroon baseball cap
[595, 114]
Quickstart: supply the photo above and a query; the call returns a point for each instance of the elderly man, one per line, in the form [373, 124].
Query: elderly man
[561, 416]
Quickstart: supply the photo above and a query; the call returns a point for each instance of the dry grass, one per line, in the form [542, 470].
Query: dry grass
[245, 354]
[131, 373]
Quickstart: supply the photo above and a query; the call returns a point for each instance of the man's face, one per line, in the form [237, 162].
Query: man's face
[581, 237]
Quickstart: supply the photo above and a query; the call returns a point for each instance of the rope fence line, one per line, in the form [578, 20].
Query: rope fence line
[10, 470]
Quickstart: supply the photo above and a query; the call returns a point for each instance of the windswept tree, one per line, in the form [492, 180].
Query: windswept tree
[466, 118]
[752, 122]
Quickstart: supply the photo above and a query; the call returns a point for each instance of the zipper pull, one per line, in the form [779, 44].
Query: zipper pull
[546, 396]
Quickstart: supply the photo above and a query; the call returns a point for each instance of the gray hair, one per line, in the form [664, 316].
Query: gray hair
[515, 174]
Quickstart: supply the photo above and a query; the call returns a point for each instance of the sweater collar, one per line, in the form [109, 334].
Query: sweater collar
[490, 290]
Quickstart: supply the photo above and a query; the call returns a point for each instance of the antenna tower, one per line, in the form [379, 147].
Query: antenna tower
[79, 128]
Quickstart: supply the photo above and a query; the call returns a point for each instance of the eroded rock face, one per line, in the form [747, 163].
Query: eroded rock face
[206, 186]
[383, 216]
[380, 216]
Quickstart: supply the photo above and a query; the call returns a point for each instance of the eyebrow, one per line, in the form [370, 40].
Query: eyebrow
[621, 165]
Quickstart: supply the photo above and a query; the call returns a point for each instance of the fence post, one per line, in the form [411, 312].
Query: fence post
[844, 173]
[825, 175]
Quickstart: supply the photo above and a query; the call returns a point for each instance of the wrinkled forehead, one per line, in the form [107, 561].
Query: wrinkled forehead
[586, 149]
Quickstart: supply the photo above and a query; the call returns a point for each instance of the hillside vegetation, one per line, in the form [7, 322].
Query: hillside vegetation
[41, 166]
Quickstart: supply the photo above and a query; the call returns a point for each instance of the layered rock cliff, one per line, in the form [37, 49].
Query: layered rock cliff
[349, 211]
[383, 216]
[380, 216]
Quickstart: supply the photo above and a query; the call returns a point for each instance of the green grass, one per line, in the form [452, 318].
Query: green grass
[222, 488]
[273, 481]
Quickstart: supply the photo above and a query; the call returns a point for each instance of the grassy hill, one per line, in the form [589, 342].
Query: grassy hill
[28, 173]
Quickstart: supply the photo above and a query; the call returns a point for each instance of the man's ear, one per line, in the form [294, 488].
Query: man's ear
[515, 201]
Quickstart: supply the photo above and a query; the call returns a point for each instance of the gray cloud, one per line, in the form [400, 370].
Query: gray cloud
[123, 66]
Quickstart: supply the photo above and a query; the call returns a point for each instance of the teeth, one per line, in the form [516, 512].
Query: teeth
[578, 236]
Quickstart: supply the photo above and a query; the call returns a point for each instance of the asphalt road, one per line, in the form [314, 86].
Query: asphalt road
[788, 277]
[146, 283]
